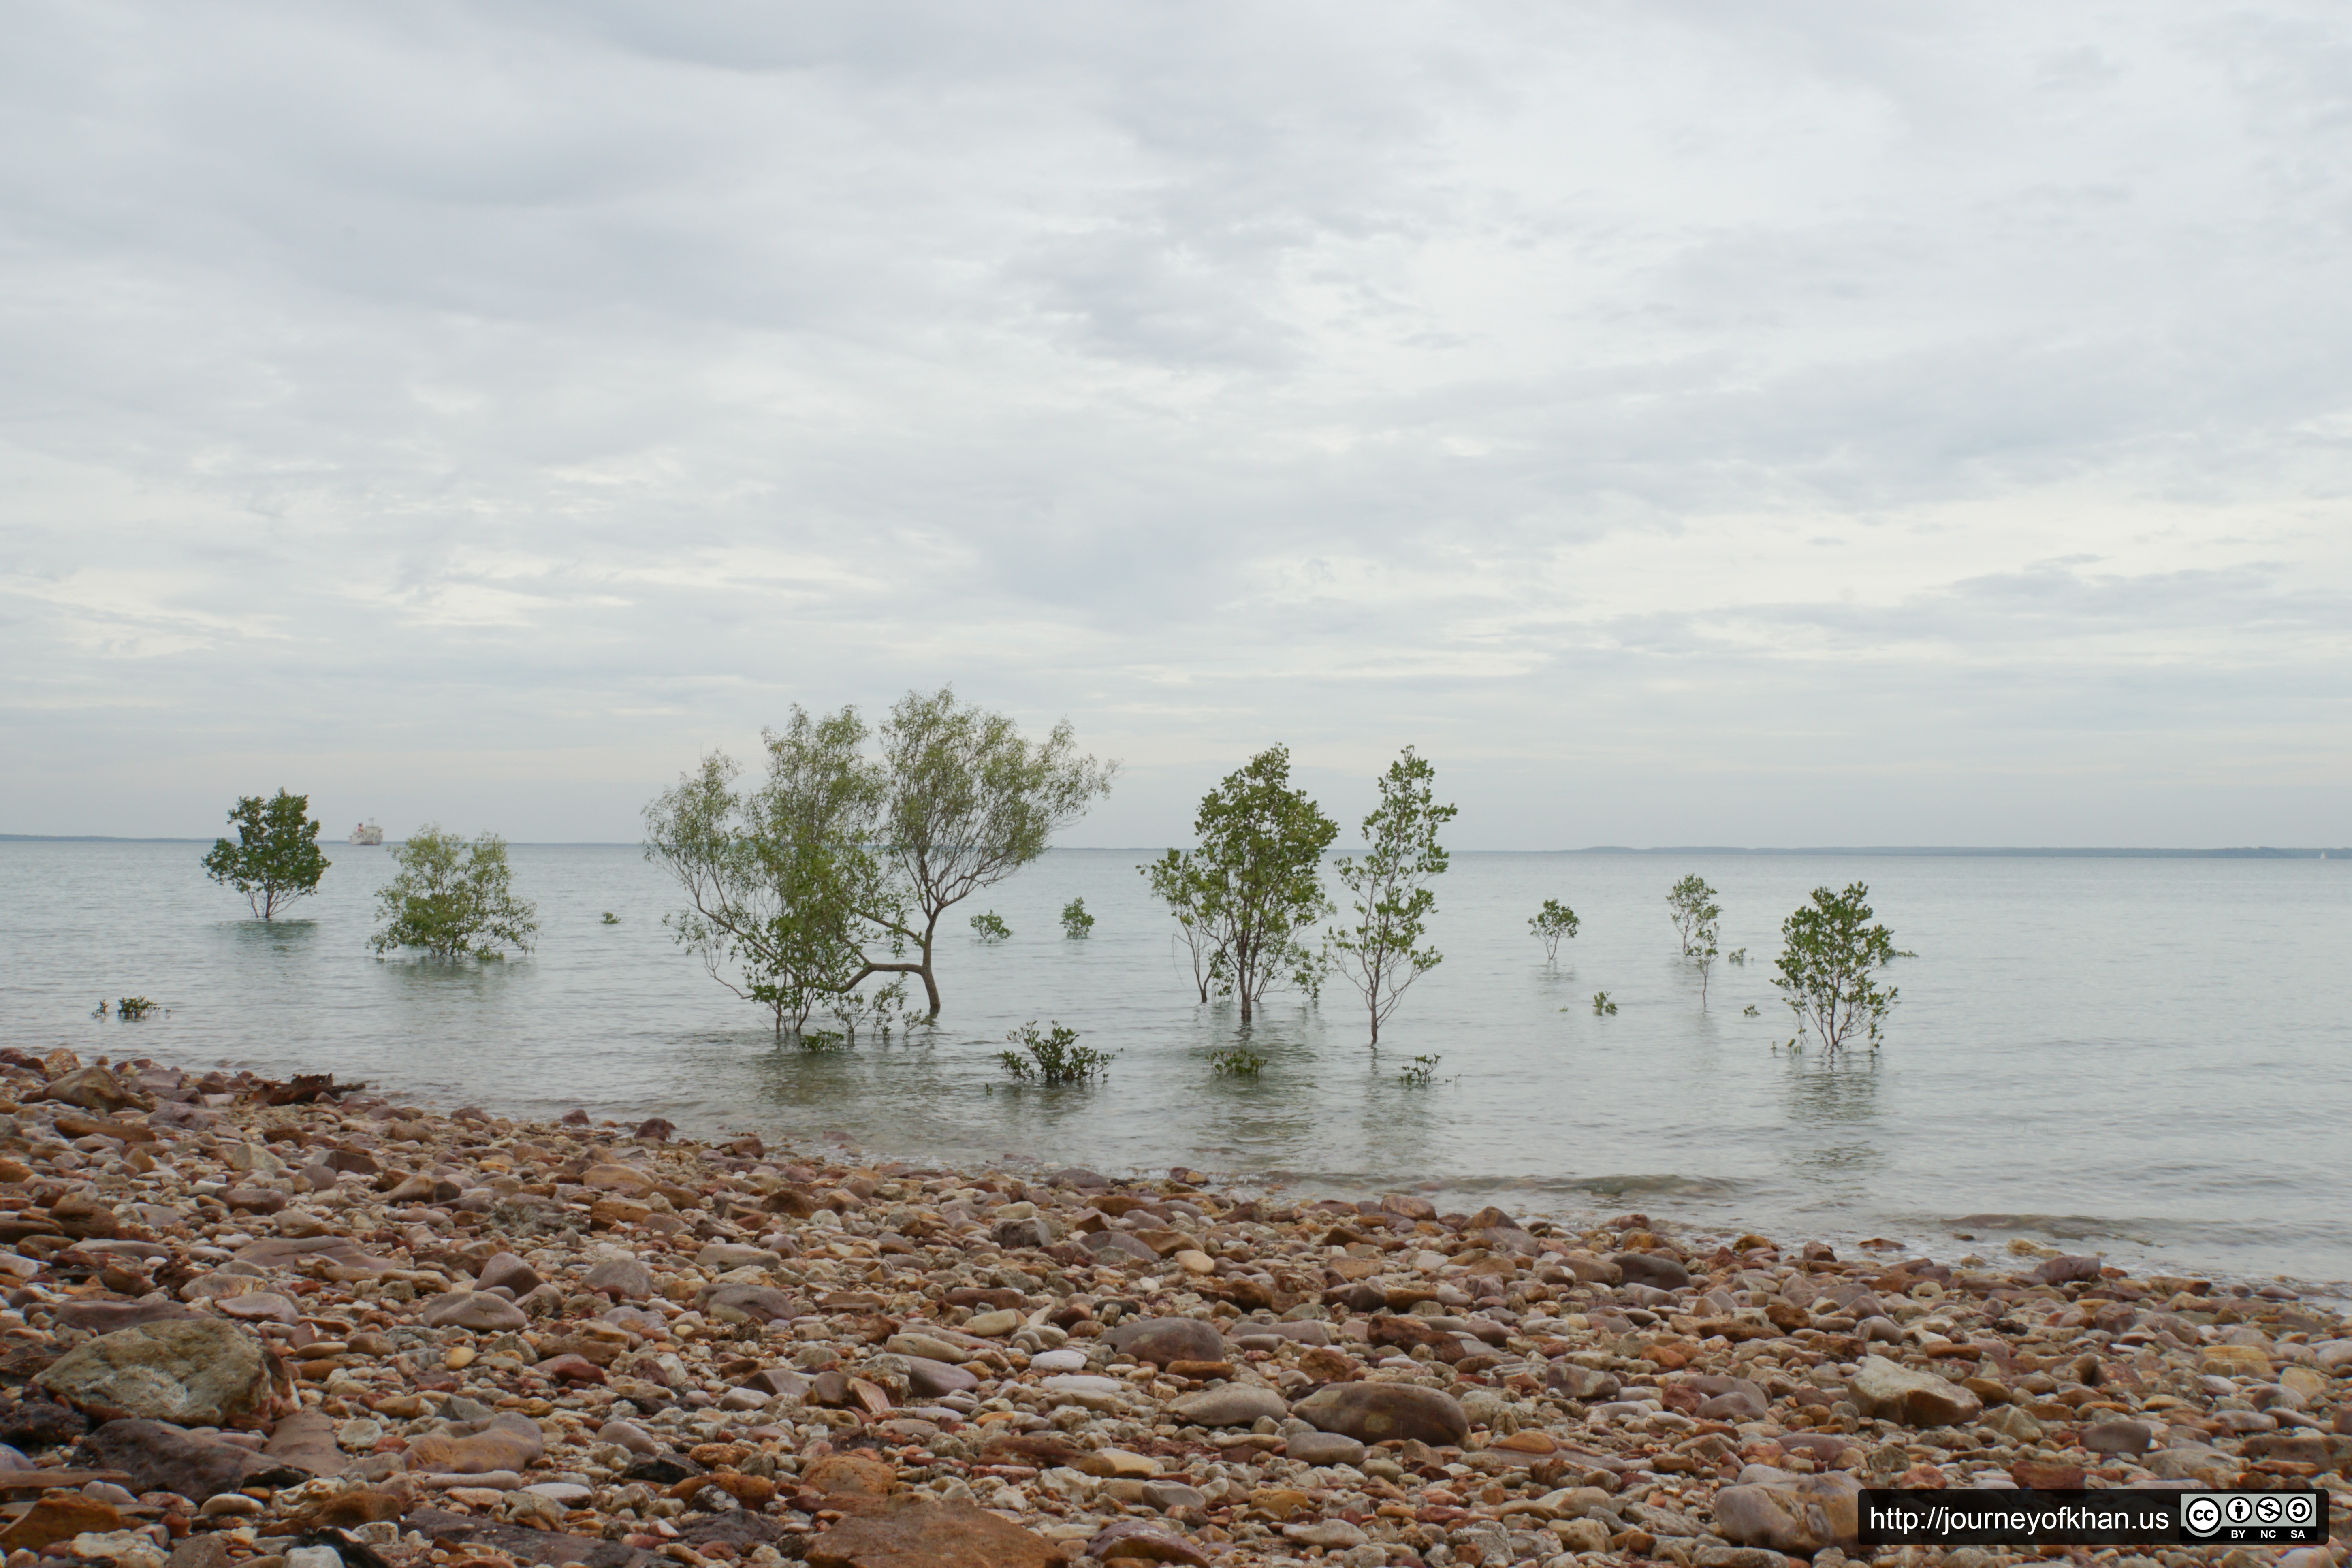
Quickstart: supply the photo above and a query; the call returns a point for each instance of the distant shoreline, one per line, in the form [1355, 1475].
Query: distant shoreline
[1919, 851]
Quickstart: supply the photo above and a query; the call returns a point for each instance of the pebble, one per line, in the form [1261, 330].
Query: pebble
[652, 1343]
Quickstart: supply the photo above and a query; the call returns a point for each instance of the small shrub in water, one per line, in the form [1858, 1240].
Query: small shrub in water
[1827, 966]
[990, 926]
[1550, 923]
[1054, 1055]
[1238, 1062]
[818, 1042]
[1076, 924]
[1420, 1072]
[1601, 1007]
[1748, 1011]
[136, 1007]
[1738, 957]
[611, 918]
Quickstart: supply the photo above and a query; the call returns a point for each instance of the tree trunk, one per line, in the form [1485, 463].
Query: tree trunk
[930, 985]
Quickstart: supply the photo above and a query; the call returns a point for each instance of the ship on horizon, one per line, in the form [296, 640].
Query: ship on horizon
[367, 833]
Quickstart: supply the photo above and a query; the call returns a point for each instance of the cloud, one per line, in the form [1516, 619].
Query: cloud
[1694, 410]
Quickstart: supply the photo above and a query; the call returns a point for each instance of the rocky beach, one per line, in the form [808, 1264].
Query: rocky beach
[297, 1324]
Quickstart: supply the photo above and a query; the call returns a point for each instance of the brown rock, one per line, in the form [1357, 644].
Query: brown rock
[307, 1440]
[1802, 1516]
[2046, 1476]
[349, 1510]
[60, 1518]
[1377, 1411]
[1887, 1392]
[911, 1533]
[1325, 1364]
[105, 1317]
[160, 1456]
[1651, 1268]
[95, 1088]
[504, 1443]
[196, 1373]
[474, 1309]
[505, 1270]
[1406, 1333]
[572, 1367]
[623, 1279]
[853, 1474]
[625, 1180]
[2118, 1438]
[84, 1216]
[1161, 1341]
[755, 1303]
[1140, 1540]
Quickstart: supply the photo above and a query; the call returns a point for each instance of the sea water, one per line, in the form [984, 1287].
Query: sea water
[2146, 1058]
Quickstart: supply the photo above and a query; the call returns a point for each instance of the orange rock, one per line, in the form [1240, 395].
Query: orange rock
[850, 1473]
[56, 1519]
[911, 1533]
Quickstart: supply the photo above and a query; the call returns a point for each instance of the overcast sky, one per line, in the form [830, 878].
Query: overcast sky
[1687, 423]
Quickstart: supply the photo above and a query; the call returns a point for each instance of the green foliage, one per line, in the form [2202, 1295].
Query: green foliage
[1549, 924]
[1827, 968]
[1391, 883]
[1238, 1062]
[1748, 1011]
[1253, 884]
[451, 899]
[1690, 903]
[1420, 1072]
[990, 926]
[133, 1007]
[840, 867]
[1736, 958]
[1076, 924]
[823, 1042]
[275, 859]
[1054, 1055]
[783, 882]
[968, 801]
[1601, 1007]
[1177, 881]
[611, 918]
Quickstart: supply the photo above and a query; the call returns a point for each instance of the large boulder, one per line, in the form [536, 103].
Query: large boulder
[1377, 1411]
[199, 1371]
[1887, 1392]
[1161, 1341]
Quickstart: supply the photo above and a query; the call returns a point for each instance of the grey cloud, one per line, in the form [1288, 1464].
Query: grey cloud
[587, 383]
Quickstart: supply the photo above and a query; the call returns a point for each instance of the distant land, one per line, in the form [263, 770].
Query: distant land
[2257, 852]
[2253, 852]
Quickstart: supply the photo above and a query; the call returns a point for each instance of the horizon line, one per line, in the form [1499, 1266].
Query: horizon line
[2239, 852]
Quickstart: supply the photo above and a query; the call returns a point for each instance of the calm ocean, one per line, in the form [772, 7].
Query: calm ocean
[2146, 1058]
